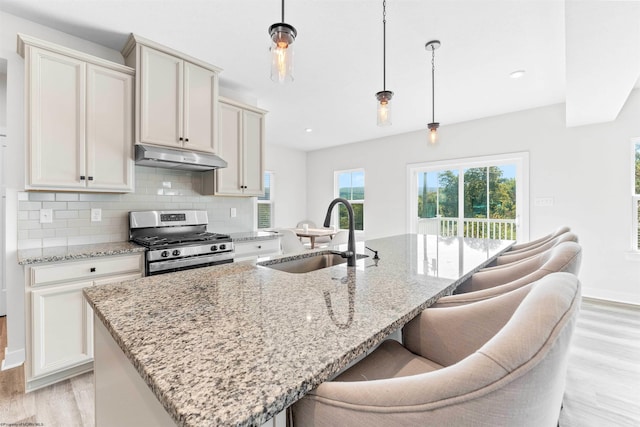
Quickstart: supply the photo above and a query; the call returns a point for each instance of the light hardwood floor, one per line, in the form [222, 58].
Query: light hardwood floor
[603, 379]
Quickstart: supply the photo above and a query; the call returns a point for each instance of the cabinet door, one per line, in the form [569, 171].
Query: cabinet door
[61, 332]
[56, 129]
[160, 98]
[200, 98]
[109, 129]
[228, 180]
[252, 154]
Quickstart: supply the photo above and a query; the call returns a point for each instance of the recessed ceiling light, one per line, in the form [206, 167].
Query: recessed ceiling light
[517, 74]
[308, 130]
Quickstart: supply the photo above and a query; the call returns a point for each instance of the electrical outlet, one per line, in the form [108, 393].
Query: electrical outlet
[46, 216]
[96, 215]
[233, 212]
[543, 201]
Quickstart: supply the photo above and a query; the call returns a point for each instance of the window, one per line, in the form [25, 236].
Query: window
[265, 203]
[636, 194]
[476, 197]
[350, 186]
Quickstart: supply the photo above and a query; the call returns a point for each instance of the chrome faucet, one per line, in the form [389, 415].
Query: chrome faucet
[351, 245]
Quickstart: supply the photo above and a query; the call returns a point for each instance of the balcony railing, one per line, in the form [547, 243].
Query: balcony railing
[471, 227]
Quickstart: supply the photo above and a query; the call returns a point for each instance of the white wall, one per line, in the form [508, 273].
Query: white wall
[290, 185]
[585, 169]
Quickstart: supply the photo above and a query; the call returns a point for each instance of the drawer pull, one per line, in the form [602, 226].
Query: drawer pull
[259, 247]
[92, 269]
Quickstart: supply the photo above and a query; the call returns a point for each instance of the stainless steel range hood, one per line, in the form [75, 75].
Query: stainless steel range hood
[162, 157]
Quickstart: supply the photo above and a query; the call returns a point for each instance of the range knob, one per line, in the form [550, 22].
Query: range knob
[164, 254]
[223, 247]
[213, 248]
[176, 252]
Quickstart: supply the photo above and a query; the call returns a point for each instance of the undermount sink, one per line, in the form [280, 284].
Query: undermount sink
[308, 263]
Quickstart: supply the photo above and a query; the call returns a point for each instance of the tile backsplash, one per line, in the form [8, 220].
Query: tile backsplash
[156, 189]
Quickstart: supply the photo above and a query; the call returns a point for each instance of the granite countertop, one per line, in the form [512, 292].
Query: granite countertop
[235, 344]
[66, 253]
[254, 235]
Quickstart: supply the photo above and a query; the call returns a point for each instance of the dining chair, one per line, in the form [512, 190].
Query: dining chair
[485, 284]
[544, 239]
[498, 362]
[290, 243]
[510, 257]
[340, 238]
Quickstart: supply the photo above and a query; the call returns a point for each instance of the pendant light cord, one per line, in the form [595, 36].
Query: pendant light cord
[282, 11]
[384, 45]
[433, 86]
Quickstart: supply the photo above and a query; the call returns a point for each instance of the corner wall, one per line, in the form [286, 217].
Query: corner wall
[586, 170]
[290, 186]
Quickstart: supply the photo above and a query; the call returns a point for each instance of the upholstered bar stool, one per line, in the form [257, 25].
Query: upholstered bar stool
[566, 257]
[498, 362]
[510, 257]
[544, 239]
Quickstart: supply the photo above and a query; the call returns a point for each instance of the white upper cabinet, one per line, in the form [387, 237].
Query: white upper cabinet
[241, 144]
[79, 120]
[160, 115]
[109, 129]
[177, 97]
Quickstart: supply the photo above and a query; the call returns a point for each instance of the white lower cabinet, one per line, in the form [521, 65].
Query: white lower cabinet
[253, 249]
[60, 319]
[62, 336]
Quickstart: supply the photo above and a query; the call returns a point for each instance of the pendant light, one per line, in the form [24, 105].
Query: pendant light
[384, 96]
[433, 126]
[282, 37]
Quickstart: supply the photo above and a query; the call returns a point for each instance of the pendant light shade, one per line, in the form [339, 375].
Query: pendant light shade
[384, 96]
[433, 126]
[282, 37]
[384, 107]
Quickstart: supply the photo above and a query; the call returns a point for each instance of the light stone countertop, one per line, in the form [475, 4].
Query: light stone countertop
[74, 252]
[235, 344]
[254, 235]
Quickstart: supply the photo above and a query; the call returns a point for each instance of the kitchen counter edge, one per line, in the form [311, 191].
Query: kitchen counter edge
[75, 252]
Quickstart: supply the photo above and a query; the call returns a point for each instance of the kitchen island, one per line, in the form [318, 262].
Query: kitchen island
[236, 344]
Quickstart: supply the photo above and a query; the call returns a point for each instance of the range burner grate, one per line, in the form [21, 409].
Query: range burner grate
[176, 239]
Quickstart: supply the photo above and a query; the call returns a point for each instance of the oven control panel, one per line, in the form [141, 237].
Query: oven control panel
[169, 217]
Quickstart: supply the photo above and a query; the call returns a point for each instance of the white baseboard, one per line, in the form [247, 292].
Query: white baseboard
[13, 358]
[619, 297]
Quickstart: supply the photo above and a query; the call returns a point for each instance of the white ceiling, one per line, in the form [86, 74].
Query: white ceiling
[584, 53]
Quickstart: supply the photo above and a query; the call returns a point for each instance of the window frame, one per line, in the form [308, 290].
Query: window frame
[335, 216]
[520, 159]
[269, 202]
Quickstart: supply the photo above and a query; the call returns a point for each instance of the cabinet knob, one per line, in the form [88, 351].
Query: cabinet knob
[180, 139]
[92, 269]
[186, 139]
[81, 177]
[90, 178]
[259, 247]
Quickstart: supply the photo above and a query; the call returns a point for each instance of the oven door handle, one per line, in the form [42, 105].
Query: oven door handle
[156, 266]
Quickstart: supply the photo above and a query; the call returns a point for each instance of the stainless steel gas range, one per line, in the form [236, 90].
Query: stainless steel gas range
[178, 240]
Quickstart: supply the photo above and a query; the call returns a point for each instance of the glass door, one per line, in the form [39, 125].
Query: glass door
[475, 197]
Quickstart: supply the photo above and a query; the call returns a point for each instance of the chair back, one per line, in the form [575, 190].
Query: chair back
[510, 257]
[565, 257]
[290, 243]
[544, 239]
[341, 238]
